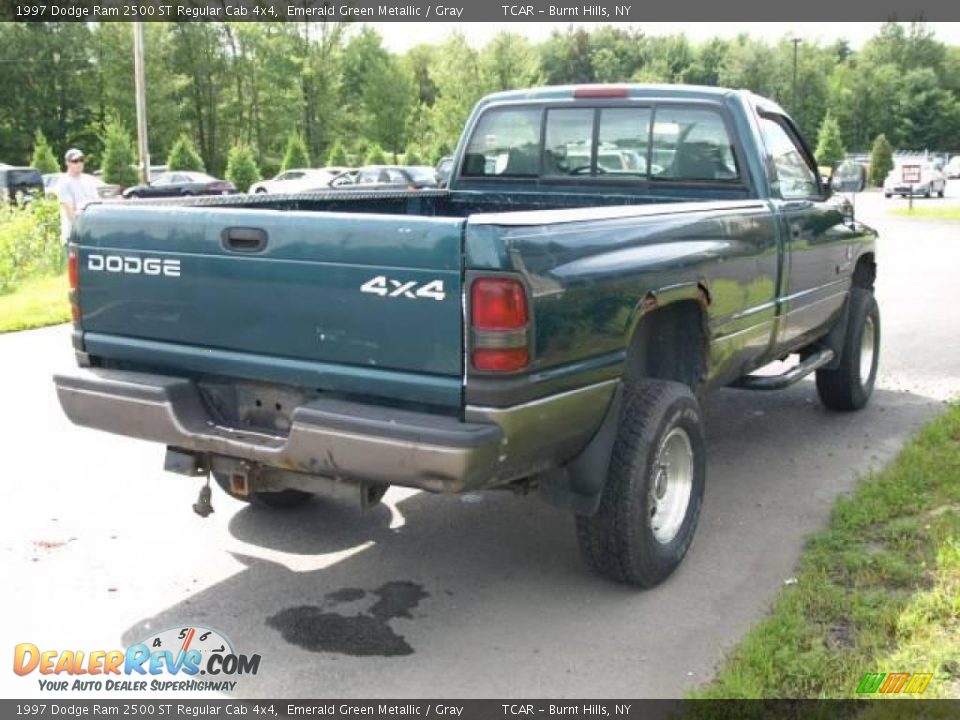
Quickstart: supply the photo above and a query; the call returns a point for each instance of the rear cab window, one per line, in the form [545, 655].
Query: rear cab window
[655, 143]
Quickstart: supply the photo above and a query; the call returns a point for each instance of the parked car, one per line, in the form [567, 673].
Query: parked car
[297, 180]
[20, 184]
[952, 170]
[396, 176]
[443, 169]
[181, 182]
[345, 178]
[521, 331]
[930, 179]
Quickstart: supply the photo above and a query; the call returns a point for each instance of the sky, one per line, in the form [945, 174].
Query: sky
[399, 37]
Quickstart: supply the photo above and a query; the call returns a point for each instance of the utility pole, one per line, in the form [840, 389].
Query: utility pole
[140, 85]
[796, 43]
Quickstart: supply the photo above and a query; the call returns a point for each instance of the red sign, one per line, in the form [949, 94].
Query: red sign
[911, 174]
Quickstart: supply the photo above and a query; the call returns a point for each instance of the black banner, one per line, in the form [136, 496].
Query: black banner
[482, 709]
[474, 11]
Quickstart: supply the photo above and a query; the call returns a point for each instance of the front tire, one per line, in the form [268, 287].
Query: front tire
[281, 500]
[654, 488]
[850, 384]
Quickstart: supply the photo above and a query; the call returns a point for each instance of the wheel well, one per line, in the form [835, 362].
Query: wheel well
[670, 343]
[865, 273]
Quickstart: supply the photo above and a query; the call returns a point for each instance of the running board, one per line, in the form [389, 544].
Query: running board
[778, 382]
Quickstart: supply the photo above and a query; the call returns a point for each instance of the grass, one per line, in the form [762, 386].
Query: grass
[878, 591]
[34, 303]
[939, 212]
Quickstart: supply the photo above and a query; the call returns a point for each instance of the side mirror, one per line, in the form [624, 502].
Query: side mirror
[850, 177]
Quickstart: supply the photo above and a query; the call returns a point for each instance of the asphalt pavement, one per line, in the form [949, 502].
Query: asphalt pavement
[476, 596]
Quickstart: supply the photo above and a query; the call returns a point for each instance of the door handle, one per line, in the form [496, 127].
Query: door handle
[244, 239]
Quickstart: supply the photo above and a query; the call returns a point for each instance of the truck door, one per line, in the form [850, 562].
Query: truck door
[815, 271]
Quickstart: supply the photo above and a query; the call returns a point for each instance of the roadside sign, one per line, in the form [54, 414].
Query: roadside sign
[911, 174]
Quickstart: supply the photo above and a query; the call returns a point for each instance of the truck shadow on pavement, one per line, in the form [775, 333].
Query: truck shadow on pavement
[493, 588]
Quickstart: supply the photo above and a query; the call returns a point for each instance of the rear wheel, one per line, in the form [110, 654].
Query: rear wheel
[278, 500]
[850, 384]
[654, 488]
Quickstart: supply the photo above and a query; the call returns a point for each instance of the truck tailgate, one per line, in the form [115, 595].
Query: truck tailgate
[332, 296]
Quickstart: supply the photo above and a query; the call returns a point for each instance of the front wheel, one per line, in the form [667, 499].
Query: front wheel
[281, 500]
[850, 384]
[654, 489]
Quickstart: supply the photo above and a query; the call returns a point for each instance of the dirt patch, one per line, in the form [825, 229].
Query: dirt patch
[840, 637]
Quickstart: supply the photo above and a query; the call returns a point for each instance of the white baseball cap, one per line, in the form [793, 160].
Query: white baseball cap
[73, 154]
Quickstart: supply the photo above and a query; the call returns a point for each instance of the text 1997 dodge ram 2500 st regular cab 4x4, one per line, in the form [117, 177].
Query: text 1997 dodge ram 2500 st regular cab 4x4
[602, 257]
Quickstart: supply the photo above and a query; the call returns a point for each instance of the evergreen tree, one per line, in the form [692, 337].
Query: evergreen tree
[296, 155]
[43, 158]
[242, 168]
[881, 160]
[184, 155]
[118, 158]
[338, 156]
[830, 150]
[375, 156]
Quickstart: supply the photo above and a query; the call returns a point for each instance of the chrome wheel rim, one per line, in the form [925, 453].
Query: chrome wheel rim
[868, 350]
[671, 485]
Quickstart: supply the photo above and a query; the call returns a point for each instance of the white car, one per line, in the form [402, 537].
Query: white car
[297, 180]
[953, 167]
[920, 177]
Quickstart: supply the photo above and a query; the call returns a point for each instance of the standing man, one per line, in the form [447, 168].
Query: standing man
[75, 190]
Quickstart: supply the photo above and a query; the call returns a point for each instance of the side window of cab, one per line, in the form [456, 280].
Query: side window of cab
[795, 178]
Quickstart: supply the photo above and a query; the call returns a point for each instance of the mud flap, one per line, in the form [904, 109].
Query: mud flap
[578, 485]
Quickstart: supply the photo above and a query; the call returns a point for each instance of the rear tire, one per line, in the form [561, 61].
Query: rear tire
[654, 488]
[849, 386]
[281, 500]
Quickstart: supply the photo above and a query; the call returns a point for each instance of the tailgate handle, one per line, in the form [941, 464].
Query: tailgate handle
[244, 239]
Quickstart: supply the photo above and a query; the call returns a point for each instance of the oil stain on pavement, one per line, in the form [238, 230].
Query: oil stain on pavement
[319, 628]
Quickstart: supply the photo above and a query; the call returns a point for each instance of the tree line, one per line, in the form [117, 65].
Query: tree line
[267, 94]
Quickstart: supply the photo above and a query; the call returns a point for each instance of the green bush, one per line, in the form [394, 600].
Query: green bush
[337, 156]
[881, 160]
[375, 156]
[242, 168]
[29, 241]
[296, 155]
[830, 151]
[43, 158]
[118, 156]
[412, 157]
[184, 156]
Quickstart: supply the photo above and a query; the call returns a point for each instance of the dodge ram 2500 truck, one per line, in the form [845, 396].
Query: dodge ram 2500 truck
[602, 257]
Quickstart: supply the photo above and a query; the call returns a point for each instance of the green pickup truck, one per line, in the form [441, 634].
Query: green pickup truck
[602, 257]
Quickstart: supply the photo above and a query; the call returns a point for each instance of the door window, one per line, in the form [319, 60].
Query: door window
[795, 178]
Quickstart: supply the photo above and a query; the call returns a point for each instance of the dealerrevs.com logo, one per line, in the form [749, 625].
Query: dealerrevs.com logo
[178, 659]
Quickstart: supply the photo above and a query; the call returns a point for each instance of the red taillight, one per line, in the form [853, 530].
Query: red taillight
[72, 268]
[501, 360]
[600, 91]
[498, 304]
[499, 319]
[73, 279]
